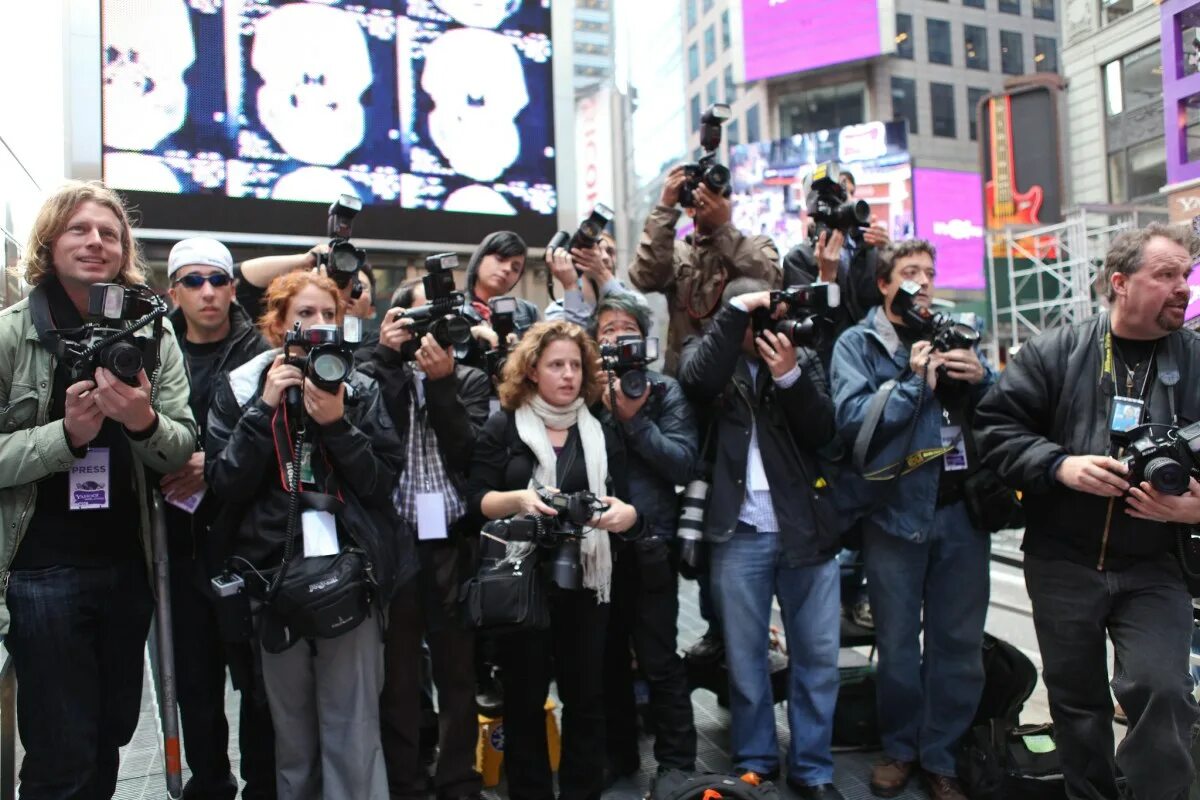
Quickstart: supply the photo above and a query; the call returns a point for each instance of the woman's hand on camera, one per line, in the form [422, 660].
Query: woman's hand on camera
[395, 330]
[620, 516]
[484, 333]
[280, 377]
[531, 503]
[325, 408]
[435, 361]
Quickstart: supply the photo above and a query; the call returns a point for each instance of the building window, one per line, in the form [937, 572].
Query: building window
[1113, 10]
[823, 108]
[708, 4]
[1010, 6]
[904, 101]
[974, 95]
[937, 32]
[1043, 9]
[730, 86]
[726, 35]
[752, 132]
[1138, 171]
[710, 45]
[1133, 80]
[710, 92]
[695, 109]
[975, 3]
[975, 44]
[691, 14]
[693, 62]
[732, 133]
[941, 100]
[904, 36]
[1045, 54]
[1012, 53]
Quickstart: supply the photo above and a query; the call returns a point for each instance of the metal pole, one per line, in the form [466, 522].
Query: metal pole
[8, 730]
[173, 768]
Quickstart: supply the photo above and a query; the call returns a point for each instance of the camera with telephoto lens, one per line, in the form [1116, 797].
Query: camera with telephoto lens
[442, 315]
[1166, 456]
[327, 360]
[626, 358]
[588, 234]
[504, 311]
[830, 207]
[563, 533]
[707, 170]
[942, 330]
[111, 343]
[344, 261]
[808, 321]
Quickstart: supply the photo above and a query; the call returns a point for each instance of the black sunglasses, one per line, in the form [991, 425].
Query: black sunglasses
[194, 281]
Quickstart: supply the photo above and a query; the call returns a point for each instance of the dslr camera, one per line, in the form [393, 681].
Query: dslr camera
[442, 313]
[944, 331]
[111, 343]
[807, 321]
[344, 260]
[626, 358]
[829, 206]
[707, 170]
[588, 234]
[1164, 455]
[327, 360]
[563, 533]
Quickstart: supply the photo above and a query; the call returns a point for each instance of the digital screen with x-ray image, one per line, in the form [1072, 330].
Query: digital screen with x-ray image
[437, 114]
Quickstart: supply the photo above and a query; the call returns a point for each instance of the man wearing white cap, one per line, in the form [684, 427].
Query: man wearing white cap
[217, 335]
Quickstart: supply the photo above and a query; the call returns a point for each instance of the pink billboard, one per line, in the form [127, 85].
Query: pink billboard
[1193, 309]
[949, 213]
[785, 36]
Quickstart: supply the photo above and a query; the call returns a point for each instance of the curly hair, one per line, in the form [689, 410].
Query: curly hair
[515, 386]
[37, 260]
[273, 322]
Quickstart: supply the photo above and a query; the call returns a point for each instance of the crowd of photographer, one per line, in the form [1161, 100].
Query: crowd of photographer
[504, 493]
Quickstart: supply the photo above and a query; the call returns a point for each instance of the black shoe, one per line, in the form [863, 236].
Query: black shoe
[708, 648]
[822, 791]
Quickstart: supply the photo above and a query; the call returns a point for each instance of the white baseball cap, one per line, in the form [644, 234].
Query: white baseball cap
[199, 251]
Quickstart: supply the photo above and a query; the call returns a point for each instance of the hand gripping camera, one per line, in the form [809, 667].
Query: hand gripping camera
[828, 205]
[111, 343]
[564, 532]
[707, 171]
[327, 359]
[807, 322]
[588, 234]
[344, 260]
[1164, 455]
[442, 313]
[944, 331]
[626, 358]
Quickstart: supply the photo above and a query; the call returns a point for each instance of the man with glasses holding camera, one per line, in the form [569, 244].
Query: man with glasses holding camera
[1077, 419]
[217, 336]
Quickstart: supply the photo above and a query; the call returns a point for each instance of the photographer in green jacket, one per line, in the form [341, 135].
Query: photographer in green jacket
[80, 423]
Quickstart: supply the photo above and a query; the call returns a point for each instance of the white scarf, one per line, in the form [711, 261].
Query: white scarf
[532, 420]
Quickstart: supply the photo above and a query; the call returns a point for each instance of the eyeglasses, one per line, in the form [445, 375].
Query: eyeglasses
[194, 281]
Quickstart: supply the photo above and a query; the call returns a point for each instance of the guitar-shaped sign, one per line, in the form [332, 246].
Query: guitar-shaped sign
[1003, 204]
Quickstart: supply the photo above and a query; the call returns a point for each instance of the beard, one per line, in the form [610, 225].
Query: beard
[1166, 319]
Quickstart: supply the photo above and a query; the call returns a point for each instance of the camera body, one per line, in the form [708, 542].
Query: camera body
[808, 321]
[442, 314]
[563, 533]
[627, 358]
[327, 361]
[708, 171]
[586, 236]
[942, 330]
[110, 343]
[829, 206]
[1164, 455]
[344, 260]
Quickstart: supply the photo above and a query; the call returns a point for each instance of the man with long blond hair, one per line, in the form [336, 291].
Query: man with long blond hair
[75, 563]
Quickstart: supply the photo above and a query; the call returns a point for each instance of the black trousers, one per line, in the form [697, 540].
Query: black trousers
[427, 606]
[645, 606]
[1147, 612]
[572, 650]
[200, 661]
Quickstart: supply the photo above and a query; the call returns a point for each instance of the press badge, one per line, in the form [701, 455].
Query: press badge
[955, 459]
[188, 504]
[1126, 414]
[87, 482]
[431, 516]
[320, 533]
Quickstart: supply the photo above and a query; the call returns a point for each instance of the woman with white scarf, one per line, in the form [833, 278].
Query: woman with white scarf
[549, 380]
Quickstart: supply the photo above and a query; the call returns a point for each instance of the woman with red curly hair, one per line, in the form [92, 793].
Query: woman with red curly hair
[544, 439]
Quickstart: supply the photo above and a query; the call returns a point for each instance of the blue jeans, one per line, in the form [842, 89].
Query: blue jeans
[77, 638]
[747, 571]
[927, 700]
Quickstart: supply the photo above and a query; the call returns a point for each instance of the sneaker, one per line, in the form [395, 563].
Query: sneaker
[757, 778]
[860, 615]
[890, 776]
[942, 787]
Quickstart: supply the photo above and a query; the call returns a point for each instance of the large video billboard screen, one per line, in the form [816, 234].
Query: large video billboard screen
[236, 115]
[949, 213]
[798, 35]
[768, 179]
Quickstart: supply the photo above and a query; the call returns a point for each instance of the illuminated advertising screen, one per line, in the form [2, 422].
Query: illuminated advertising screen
[949, 213]
[798, 35]
[236, 115]
[1193, 309]
[768, 179]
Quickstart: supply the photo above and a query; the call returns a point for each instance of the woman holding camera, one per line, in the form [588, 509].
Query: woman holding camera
[544, 438]
[323, 672]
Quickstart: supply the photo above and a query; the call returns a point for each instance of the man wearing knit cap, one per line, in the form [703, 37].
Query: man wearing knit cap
[217, 336]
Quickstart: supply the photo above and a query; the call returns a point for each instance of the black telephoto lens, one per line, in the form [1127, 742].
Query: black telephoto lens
[565, 570]
[633, 384]
[451, 330]
[123, 360]
[717, 178]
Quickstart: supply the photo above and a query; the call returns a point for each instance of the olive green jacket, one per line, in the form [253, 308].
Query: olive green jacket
[31, 447]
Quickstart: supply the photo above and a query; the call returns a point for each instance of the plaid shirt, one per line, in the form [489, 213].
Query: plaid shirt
[424, 469]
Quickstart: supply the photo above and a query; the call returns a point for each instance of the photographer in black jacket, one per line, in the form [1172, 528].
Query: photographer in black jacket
[1099, 560]
[772, 532]
[438, 408]
[659, 430]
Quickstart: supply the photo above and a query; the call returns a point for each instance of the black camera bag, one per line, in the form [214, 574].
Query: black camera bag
[999, 762]
[678, 785]
[317, 598]
[991, 504]
[507, 596]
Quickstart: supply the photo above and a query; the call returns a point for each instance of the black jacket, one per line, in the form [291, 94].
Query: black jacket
[1050, 402]
[856, 283]
[792, 424]
[661, 445]
[242, 469]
